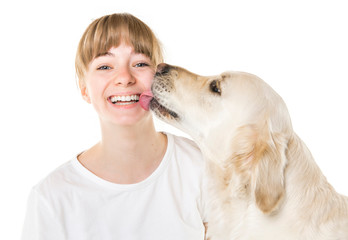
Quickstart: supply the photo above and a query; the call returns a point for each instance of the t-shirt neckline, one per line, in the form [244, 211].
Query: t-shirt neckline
[128, 187]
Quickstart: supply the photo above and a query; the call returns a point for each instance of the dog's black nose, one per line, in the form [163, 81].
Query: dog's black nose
[162, 68]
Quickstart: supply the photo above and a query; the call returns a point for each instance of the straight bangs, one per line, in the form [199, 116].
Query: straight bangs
[109, 31]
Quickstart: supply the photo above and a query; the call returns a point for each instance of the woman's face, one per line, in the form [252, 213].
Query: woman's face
[114, 82]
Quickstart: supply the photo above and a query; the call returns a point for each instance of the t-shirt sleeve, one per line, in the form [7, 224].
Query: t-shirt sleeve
[203, 200]
[196, 170]
[40, 222]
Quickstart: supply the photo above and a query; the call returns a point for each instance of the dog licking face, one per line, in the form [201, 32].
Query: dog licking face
[212, 109]
[263, 181]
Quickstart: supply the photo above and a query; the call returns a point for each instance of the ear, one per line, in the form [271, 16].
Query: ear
[269, 160]
[84, 92]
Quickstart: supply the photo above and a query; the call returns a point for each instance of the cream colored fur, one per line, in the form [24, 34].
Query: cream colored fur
[262, 180]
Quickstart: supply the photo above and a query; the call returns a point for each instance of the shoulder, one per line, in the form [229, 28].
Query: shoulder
[184, 142]
[56, 181]
[190, 165]
[186, 146]
[186, 152]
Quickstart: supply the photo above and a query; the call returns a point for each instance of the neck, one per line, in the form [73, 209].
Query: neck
[129, 143]
[301, 166]
[126, 154]
[304, 178]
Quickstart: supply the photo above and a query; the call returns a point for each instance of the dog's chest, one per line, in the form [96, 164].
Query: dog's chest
[240, 221]
[256, 225]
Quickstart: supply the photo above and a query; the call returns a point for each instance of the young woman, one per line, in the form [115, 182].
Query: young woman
[135, 183]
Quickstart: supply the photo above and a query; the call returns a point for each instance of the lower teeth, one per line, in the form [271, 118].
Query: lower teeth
[124, 103]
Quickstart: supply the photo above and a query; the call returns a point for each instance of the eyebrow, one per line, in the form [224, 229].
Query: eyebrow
[105, 54]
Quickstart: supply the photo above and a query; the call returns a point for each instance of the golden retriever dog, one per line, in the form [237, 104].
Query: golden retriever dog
[262, 181]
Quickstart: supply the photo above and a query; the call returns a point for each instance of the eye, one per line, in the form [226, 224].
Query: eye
[104, 67]
[142, 64]
[215, 87]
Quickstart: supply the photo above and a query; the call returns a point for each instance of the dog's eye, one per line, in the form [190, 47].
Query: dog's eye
[215, 87]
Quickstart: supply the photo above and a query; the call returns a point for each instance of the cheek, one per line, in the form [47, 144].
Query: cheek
[95, 89]
[146, 78]
[96, 81]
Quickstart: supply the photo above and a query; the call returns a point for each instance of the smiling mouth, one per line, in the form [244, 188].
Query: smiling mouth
[161, 110]
[124, 100]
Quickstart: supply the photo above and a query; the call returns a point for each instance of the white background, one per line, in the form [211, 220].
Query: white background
[299, 47]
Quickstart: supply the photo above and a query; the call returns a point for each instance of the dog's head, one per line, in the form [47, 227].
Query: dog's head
[238, 121]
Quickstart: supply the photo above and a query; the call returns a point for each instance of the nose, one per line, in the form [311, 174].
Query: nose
[124, 77]
[162, 68]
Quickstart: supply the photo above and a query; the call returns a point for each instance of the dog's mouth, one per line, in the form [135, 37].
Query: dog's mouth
[161, 110]
[162, 90]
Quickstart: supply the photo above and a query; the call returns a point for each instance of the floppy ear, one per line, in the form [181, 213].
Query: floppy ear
[259, 160]
[269, 162]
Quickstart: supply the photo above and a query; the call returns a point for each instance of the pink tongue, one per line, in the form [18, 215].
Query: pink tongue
[145, 99]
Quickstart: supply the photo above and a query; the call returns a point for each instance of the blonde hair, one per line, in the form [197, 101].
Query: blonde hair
[109, 31]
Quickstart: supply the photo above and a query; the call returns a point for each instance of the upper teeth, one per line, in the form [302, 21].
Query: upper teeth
[128, 98]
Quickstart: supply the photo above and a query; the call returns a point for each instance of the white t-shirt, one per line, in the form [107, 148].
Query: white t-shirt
[73, 203]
